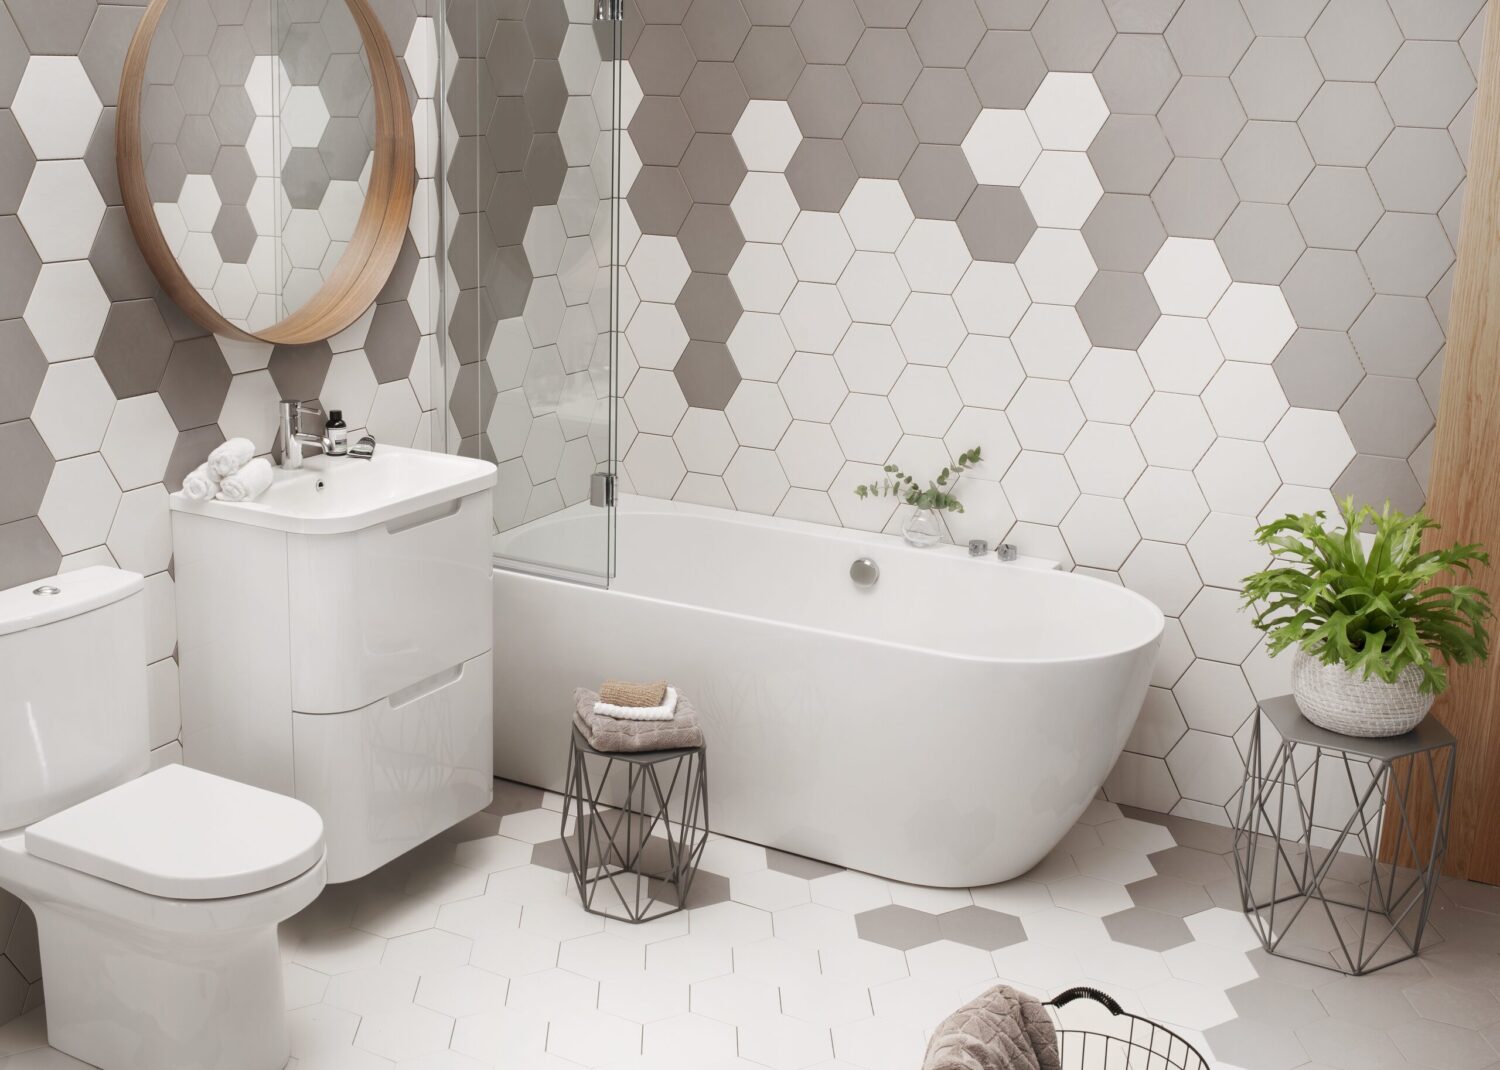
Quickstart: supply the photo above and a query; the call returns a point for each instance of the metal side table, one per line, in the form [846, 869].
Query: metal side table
[637, 834]
[1309, 830]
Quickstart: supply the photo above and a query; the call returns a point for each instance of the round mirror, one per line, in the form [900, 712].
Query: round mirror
[267, 161]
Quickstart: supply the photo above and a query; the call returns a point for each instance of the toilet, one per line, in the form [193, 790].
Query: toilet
[157, 894]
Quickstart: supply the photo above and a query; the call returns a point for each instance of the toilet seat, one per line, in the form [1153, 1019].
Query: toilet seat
[184, 834]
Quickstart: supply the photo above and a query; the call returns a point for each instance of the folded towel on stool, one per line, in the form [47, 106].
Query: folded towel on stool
[621, 693]
[1001, 1029]
[612, 735]
[200, 484]
[249, 483]
[665, 712]
[229, 457]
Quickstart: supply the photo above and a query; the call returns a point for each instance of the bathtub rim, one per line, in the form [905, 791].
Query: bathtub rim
[638, 505]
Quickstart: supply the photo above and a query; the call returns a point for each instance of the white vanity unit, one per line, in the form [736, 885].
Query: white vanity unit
[335, 644]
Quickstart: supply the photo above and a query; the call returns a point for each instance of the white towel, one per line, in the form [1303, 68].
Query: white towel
[665, 712]
[199, 484]
[249, 483]
[229, 457]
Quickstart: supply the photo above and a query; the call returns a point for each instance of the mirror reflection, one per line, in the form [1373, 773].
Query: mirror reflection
[258, 130]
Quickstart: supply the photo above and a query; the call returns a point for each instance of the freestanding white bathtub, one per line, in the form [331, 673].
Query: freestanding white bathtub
[944, 727]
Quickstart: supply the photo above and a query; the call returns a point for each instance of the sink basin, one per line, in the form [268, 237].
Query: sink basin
[330, 495]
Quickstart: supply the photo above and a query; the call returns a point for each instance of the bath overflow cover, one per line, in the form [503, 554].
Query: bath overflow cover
[864, 572]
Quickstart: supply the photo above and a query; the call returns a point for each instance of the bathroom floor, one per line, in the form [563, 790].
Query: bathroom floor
[474, 952]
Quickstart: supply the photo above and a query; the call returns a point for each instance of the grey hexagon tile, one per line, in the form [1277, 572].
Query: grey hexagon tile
[1118, 310]
[1124, 232]
[709, 307]
[1130, 153]
[1345, 123]
[659, 200]
[1426, 83]
[976, 926]
[938, 182]
[1202, 116]
[799, 865]
[1318, 369]
[1386, 416]
[710, 238]
[880, 141]
[1260, 242]
[942, 106]
[1336, 207]
[827, 33]
[1406, 253]
[714, 97]
[1194, 198]
[824, 101]
[1416, 170]
[1073, 35]
[902, 928]
[1353, 40]
[1277, 78]
[1146, 928]
[1006, 69]
[716, 28]
[711, 172]
[1380, 479]
[996, 223]
[26, 552]
[25, 468]
[662, 60]
[134, 363]
[945, 32]
[769, 62]
[22, 371]
[1327, 289]
[1396, 336]
[884, 66]
[1136, 74]
[1268, 162]
[707, 375]
[1208, 37]
[821, 174]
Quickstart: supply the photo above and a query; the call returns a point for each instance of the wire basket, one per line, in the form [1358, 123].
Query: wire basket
[1116, 1041]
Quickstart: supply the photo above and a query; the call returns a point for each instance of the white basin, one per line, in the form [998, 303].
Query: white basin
[331, 495]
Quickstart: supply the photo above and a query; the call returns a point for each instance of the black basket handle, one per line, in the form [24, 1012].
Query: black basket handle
[1062, 999]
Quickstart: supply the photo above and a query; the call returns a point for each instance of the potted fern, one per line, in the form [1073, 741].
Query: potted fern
[922, 527]
[1372, 631]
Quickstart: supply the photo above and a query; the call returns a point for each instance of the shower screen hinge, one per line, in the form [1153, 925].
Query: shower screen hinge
[609, 10]
[602, 490]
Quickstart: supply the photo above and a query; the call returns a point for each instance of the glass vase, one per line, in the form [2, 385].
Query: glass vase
[923, 527]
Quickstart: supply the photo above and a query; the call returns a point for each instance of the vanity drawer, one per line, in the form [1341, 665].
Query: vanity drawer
[396, 773]
[398, 602]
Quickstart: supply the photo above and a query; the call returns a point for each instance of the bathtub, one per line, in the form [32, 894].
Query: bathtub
[944, 727]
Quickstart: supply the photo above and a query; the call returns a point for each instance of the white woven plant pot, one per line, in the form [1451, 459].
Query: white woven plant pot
[1332, 697]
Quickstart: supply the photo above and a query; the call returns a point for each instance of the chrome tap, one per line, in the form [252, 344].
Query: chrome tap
[293, 439]
[1007, 552]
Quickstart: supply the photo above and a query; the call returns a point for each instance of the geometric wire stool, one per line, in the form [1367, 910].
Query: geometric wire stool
[638, 836]
[1335, 903]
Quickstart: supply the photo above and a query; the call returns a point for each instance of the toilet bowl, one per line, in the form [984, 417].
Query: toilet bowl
[157, 896]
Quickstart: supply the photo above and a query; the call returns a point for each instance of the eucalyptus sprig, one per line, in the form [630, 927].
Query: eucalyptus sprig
[936, 495]
[1375, 611]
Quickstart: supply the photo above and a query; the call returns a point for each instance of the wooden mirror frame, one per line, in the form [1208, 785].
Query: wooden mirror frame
[370, 256]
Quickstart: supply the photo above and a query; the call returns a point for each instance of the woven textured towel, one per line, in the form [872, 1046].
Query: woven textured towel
[621, 693]
[631, 737]
[1001, 1029]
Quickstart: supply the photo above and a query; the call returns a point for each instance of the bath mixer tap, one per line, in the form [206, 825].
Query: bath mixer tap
[978, 547]
[1007, 551]
[293, 438]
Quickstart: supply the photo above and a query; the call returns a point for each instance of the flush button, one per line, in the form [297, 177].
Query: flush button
[47, 589]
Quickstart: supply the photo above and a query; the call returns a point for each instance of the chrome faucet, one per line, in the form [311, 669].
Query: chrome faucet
[293, 438]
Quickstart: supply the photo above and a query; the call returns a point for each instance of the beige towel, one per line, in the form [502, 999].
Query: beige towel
[621, 693]
[1002, 1029]
[612, 735]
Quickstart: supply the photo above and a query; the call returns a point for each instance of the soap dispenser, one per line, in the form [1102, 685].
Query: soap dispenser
[336, 432]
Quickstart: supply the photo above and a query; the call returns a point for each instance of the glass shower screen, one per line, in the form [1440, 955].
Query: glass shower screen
[531, 128]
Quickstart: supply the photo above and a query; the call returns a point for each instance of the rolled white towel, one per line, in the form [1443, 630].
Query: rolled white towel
[229, 457]
[199, 484]
[665, 712]
[249, 483]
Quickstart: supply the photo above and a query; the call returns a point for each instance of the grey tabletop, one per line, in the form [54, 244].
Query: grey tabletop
[1284, 714]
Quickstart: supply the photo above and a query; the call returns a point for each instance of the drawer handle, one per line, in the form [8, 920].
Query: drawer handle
[422, 688]
[425, 516]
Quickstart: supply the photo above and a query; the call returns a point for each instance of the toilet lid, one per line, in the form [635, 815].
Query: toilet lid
[181, 833]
